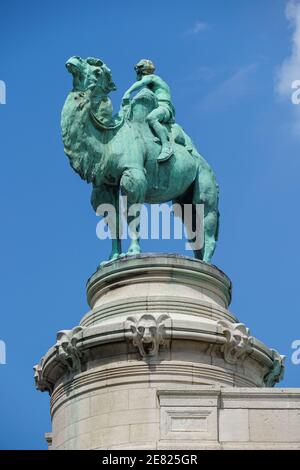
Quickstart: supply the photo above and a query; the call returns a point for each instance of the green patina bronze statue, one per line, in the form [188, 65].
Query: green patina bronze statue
[140, 152]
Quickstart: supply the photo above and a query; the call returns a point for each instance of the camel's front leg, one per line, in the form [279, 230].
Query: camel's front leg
[114, 228]
[133, 220]
[116, 249]
[133, 186]
[105, 201]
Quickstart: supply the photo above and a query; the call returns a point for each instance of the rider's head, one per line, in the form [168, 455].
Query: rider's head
[144, 67]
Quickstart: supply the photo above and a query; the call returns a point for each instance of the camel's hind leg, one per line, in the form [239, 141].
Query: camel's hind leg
[192, 217]
[206, 191]
[197, 226]
[203, 244]
[211, 222]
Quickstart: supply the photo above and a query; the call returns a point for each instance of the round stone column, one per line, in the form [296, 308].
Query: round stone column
[155, 321]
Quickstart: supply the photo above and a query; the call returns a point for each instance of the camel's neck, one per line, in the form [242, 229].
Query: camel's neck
[102, 110]
[81, 140]
[93, 137]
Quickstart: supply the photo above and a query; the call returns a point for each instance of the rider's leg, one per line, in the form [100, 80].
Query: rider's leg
[154, 119]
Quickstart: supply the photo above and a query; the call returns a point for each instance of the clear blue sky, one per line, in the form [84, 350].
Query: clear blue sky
[222, 60]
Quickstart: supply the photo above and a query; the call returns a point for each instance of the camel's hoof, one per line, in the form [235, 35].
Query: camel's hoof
[133, 251]
[115, 257]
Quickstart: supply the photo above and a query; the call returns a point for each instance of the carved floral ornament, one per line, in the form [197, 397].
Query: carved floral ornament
[147, 333]
[66, 352]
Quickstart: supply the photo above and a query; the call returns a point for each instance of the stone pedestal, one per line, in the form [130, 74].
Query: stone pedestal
[160, 363]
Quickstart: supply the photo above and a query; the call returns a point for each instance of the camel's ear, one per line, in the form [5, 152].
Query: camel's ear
[94, 61]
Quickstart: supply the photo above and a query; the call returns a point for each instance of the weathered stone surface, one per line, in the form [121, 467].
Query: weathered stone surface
[234, 425]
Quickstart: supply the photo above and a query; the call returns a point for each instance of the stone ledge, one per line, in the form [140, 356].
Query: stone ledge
[159, 268]
[155, 304]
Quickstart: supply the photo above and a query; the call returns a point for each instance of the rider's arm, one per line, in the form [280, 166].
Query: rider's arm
[146, 80]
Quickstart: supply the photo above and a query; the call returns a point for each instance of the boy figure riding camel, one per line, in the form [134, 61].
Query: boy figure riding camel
[164, 113]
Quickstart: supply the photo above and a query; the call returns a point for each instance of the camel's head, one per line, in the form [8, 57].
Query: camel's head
[90, 73]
